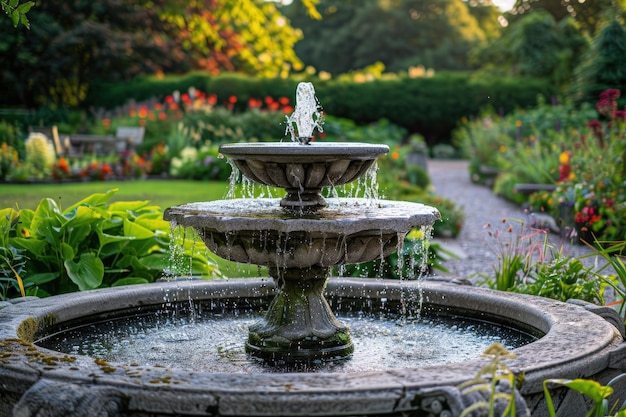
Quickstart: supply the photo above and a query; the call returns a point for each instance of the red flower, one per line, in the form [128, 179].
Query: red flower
[594, 124]
[212, 99]
[620, 114]
[610, 94]
[254, 103]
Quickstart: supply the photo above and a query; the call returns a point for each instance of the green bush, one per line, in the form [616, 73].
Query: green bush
[431, 106]
[91, 244]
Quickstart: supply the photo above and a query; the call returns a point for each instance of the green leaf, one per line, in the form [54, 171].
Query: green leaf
[87, 273]
[154, 261]
[130, 281]
[140, 232]
[15, 17]
[25, 7]
[127, 205]
[41, 278]
[588, 387]
[13, 3]
[66, 251]
[94, 199]
[34, 246]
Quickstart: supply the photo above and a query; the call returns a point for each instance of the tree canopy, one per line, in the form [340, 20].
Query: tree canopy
[74, 43]
[353, 34]
[590, 15]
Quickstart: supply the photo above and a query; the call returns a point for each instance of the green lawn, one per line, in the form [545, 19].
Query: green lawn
[163, 193]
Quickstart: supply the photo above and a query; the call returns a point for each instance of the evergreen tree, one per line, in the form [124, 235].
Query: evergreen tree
[604, 66]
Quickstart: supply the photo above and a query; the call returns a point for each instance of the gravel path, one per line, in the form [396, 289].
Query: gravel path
[450, 179]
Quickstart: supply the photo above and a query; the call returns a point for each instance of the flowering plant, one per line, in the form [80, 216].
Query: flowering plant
[61, 169]
[97, 171]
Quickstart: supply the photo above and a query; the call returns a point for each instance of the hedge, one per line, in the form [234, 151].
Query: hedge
[429, 106]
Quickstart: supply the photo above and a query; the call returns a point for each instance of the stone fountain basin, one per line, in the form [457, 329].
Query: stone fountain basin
[291, 165]
[260, 232]
[576, 343]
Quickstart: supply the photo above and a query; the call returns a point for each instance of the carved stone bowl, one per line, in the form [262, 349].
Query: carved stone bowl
[257, 231]
[303, 170]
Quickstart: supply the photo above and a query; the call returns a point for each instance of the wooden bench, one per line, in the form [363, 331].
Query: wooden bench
[532, 188]
[126, 139]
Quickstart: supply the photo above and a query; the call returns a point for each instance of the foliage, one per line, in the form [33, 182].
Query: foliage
[604, 66]
[590, 15]
[497, 380]
[583, 157]
[527, 263]
[452, 216]
[503, 403]
[562, 278]
[91, 244]
[430, 106]
[597, 392]
[200, 164]
[74, 44]
[613, 272]
[8, 159]
[40, 154]
[354, 34]
[536, 45]
[17, 12]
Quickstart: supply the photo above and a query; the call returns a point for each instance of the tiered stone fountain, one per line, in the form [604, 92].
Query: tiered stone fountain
[299, 238]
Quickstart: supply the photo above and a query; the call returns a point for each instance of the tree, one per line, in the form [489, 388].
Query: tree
[75, 43]
[353, 34]
[604, 66]
[590, 15]
[536, 45]
[16, 11]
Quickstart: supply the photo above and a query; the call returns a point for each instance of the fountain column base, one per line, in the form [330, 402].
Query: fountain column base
[308, 200]
[299, 325]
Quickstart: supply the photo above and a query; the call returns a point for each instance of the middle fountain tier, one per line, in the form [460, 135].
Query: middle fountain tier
[300, 245]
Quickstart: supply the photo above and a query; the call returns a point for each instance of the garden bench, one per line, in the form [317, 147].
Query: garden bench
[531, 188]
[126, 139]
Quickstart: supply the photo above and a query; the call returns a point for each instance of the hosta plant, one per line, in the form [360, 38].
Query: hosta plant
[91, 244]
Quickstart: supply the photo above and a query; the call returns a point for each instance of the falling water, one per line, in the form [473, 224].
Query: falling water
[307, 115]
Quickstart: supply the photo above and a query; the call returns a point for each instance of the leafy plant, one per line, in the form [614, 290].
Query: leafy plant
[593, 389]
[562, 278]
[92, 244]
[515, 248]
[487, 380]
[528, 263]
[17, 12]
[614, 254]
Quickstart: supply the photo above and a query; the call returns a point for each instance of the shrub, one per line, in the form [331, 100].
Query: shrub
[431, 106]
[91, 244]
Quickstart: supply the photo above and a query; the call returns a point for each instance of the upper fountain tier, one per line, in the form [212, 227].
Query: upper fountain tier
[303, 170]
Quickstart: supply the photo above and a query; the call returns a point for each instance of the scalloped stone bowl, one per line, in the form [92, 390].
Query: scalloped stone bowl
[303, 170]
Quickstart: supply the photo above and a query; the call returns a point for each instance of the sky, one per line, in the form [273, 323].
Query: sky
[504, 5]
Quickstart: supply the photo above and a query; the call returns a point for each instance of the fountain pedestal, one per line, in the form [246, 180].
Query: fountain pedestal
[299, 325]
